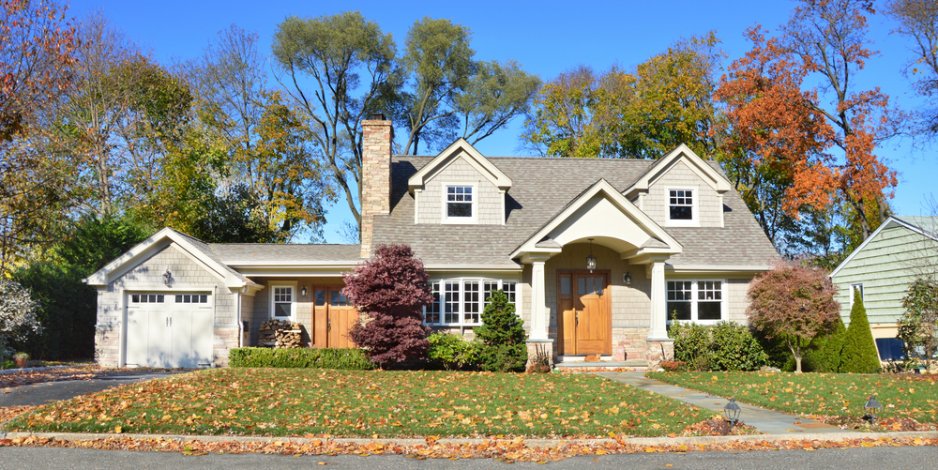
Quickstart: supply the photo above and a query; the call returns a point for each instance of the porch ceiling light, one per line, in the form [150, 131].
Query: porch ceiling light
[591, 260]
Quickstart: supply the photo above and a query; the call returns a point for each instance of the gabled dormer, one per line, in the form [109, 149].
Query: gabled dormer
[681, 190]
[459, 186]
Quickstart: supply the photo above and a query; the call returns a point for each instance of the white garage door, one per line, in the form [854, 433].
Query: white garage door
[169, 329]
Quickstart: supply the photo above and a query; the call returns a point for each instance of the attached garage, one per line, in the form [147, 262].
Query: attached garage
[169, 330]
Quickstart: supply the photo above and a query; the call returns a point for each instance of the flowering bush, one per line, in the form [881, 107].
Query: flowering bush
[18, 317]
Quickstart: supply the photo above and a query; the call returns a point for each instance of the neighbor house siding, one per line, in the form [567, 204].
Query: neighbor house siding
[709, 202]
[490, 205]
[886, 265]
[188, 276]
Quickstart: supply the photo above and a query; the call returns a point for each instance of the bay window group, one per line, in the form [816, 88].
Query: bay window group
[460, 302]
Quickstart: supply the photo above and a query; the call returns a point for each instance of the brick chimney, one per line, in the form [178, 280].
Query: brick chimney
[377, 135]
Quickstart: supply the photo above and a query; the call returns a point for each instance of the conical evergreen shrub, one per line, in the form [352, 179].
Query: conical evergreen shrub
[504, 347]
[859, 352]
[826, 350]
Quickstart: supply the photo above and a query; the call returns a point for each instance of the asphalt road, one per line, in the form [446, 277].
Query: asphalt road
[853, 459]
[41, 393]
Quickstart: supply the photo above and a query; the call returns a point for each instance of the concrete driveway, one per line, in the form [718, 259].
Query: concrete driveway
[42, 393]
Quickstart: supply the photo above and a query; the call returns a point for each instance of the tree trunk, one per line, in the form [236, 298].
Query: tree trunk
[796, 352]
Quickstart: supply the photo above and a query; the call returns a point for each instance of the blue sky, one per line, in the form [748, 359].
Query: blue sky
[546, 38]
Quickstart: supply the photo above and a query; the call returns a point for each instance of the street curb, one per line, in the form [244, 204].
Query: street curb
[531, 443]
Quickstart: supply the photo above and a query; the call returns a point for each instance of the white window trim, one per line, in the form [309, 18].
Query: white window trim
[853, 288]
[273, 288]
[446, 219]
[462, 290]
[724, 301]
[695, 207]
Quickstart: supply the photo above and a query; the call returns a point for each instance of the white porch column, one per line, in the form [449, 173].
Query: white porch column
[658, 329]
[539, 320]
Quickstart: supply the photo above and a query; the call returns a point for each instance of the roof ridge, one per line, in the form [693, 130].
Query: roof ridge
[285, 244]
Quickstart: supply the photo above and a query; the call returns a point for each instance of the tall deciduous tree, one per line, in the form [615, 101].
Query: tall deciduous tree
[266, 140]
[437, 64]
[36, 45]
[665, 102]
[36, 58]
[793, 304]
[918, 19]
[339, 70]
[802, 136]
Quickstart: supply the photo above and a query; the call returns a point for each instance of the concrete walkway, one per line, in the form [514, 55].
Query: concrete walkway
[765, 421]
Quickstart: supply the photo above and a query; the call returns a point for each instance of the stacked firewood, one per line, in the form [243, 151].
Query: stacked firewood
[281, 334]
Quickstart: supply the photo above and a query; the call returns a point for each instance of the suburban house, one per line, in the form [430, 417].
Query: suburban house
[596, 254]
[880, 271]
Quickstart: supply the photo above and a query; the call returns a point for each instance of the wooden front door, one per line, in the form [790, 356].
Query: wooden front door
[333, 317]
[584, 305]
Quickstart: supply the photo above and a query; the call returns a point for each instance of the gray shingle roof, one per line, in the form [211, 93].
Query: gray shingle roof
[541, 188]
[257, 253]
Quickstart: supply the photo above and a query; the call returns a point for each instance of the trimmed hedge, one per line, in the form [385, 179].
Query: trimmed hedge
[300, 358]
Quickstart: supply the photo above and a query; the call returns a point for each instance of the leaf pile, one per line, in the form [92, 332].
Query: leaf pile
[302, 402]
[909, 402]
[510, 450]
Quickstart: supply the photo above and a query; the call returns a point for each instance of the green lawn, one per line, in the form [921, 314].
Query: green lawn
[300, 402]
[825, 395]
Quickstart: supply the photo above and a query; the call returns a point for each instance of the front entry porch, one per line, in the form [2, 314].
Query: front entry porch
[597, 276]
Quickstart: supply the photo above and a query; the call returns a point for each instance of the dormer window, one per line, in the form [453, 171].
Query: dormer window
[460, 203]
[682, 206]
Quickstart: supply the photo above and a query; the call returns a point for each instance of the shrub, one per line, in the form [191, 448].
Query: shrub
[734, 348]
[300, 358]
[502, 335]
[452, 352]
[691, 344]
[18, 318]
[824, 355]
[918, 326]
[859, 352]
[793, 304]
[724, 346]
[390, 290]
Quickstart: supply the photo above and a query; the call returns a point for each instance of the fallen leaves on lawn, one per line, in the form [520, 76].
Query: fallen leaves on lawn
[282, 402]
[9, 412]
[513, 450]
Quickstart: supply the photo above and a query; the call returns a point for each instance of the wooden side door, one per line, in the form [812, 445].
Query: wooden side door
[333, 317]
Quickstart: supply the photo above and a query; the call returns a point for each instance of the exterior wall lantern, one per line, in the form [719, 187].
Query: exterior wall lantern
[303, 292]
[627, 278]
[168, 278]
[591, 260]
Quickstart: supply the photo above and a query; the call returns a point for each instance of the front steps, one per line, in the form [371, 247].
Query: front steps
[601, 366]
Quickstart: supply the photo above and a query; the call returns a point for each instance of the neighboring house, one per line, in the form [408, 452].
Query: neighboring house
[596, 255]
[882, 267]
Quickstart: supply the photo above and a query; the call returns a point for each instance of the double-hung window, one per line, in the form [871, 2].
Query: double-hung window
[681, 206]
[282, 302]
[459, 203]
[460, 302]
[699, 301]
